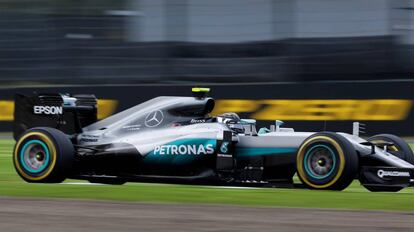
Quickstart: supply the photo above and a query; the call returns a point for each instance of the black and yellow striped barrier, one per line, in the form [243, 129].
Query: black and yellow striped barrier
[319, 110]
[293, 110]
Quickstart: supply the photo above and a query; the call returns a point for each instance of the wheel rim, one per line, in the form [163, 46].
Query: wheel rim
[34, 156]
[320, 161]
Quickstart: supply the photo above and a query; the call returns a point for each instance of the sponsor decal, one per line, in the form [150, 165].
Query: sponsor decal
[106, 107]
[197, 121]
[192, 147]
[132, 127]
[184, 149]
[224, 156]
[154, 118]
[61, 122]
[381, 173]
[48, 110]
[224, 147]
[89, 138]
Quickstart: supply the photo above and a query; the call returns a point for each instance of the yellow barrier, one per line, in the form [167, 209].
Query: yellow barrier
[304, 110]
[106, 107]
[6, 110]
[319, 110]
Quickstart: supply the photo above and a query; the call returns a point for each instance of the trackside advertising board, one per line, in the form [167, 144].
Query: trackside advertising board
[385, 107]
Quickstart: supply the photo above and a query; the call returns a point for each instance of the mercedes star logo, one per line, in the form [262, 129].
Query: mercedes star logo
[154, 118]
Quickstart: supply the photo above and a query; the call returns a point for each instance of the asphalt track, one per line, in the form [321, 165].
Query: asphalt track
[93, 216]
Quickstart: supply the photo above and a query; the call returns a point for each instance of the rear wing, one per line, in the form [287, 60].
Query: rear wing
[68, 113]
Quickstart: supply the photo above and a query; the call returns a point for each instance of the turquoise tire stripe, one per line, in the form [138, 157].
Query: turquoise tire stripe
[23, 162]
[307, 169]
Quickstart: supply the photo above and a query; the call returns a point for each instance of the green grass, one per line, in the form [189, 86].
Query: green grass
[354, 197]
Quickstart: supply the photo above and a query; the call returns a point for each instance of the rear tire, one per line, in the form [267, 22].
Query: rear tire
[43, 155]
[327, 161]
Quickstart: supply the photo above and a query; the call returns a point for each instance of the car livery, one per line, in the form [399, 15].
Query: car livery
[175, 139]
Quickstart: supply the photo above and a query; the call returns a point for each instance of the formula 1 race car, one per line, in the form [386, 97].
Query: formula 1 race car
[174, 139]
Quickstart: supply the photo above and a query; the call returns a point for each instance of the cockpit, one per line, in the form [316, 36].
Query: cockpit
[248, 126]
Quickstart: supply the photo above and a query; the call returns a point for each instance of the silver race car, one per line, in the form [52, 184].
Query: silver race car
[174, 139]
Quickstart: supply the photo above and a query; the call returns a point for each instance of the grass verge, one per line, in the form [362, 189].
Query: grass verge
[354, 197]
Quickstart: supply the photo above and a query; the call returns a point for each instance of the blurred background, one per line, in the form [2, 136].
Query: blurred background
[174, 41]
[245, 49]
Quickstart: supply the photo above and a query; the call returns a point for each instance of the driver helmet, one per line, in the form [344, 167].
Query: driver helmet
[228, 118]
[232, 121]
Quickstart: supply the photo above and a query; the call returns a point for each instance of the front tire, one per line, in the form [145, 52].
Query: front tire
[401, 148]
[327, 161]
[43, 155]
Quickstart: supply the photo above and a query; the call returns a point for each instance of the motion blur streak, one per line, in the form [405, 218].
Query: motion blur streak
[306, 110]
[7, 109]
[136, 41]
[316, 110]
[106, 107]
